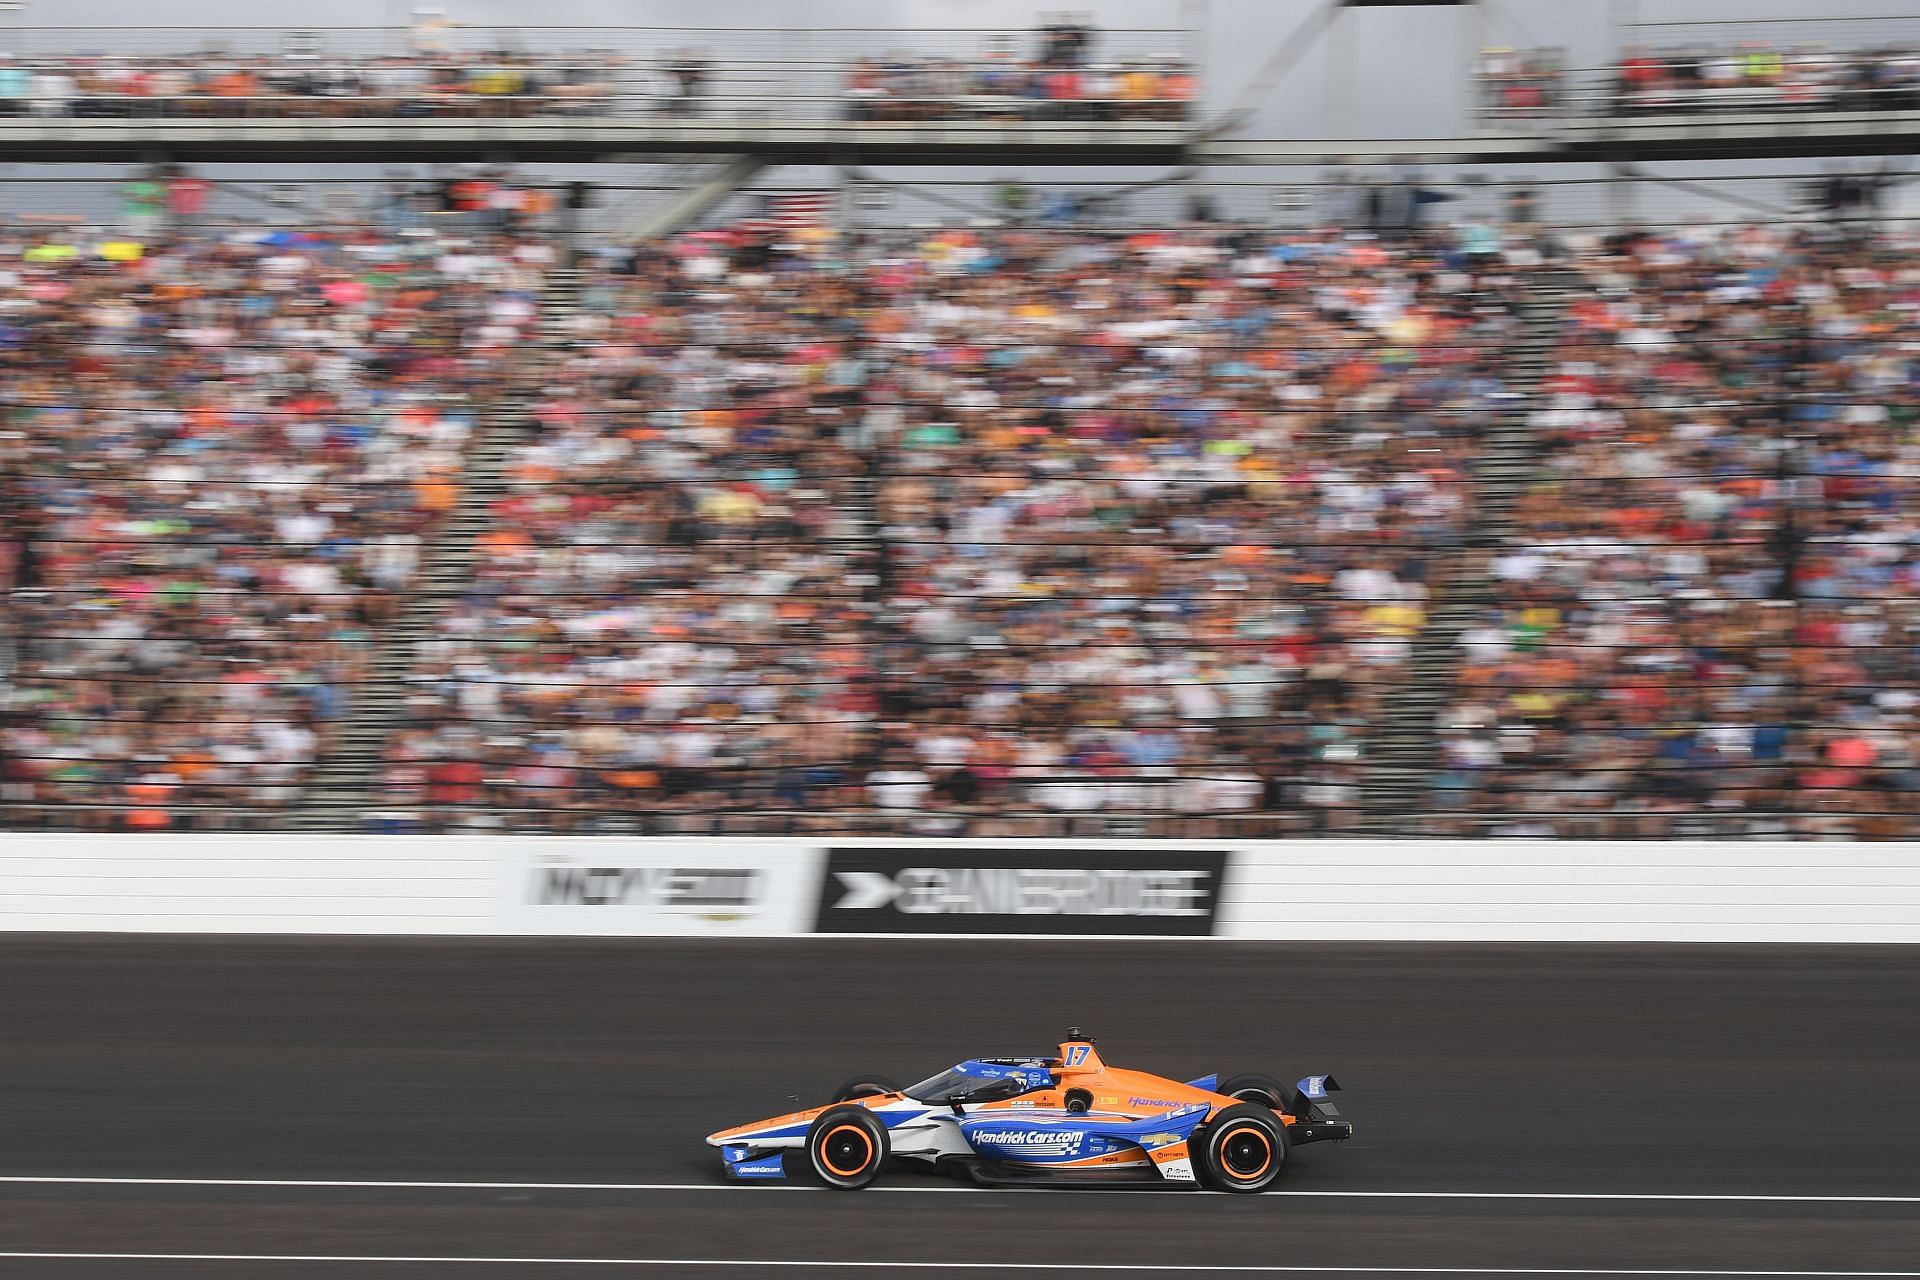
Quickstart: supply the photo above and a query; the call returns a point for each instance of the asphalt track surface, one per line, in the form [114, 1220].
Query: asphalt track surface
[1682, 1111]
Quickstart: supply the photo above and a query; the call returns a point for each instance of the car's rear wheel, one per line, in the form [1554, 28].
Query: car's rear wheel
[864, 1087]
[847, 1147]
[1244, 1148]
[1249, 1087]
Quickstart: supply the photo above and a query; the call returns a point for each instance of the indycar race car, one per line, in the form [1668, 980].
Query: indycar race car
[1071, 1119]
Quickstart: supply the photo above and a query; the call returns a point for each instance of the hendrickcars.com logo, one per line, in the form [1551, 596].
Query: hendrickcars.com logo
[1055, 1142]
[934, 890]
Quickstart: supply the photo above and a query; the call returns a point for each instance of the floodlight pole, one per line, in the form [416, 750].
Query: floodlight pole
[1322, 19]
[1622, 17]
[1340, 69]
[1292, 47]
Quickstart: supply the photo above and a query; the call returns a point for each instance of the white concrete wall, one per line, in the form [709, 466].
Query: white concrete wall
[1541, 891]
[175, 883]
[1576, 891]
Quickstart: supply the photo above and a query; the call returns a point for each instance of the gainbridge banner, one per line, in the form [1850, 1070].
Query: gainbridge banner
[934, 888]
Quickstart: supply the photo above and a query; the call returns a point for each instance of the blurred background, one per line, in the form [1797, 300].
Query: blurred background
[1194, 419]
[1286, 521]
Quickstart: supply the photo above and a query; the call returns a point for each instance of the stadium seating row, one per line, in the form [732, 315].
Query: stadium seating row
[964, 531]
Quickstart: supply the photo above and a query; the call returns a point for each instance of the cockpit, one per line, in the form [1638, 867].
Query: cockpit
[982, 1080]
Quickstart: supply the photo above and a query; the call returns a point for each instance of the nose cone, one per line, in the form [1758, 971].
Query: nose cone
[793, 1124]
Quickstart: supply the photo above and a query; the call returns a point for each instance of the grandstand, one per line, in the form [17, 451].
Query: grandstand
[1404, 508]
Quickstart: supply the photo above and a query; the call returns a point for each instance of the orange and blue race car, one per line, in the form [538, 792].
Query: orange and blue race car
[1066, 1120]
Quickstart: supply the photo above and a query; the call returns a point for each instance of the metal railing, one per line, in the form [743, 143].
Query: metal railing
[1529, 88]
[715, 73]
[584, 91]
[794, 42]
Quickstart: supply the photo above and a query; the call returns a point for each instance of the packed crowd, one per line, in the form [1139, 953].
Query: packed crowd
[1516, 85]
[1060, 81]
[219, 461]
[994, 532]
[1520, 84]
[1709, 610]
[403, 85]
[964, 528]
[1756, 76]
[666, 614]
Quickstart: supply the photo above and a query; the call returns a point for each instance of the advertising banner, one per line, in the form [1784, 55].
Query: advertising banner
[652, 887]
[721, 887]
[937, 888]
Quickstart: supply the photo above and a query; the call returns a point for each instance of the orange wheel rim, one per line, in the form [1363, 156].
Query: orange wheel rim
[865, 1146]
[1238, 1152]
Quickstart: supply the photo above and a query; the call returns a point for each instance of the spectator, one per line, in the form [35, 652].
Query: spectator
[237, 447]
[1686, 643]
[1060, 82]
[1128, 541]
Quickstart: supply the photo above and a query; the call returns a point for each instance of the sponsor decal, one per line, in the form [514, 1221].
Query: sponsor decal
[770, 1167]
[567, 885]
[698, 889]
[936, 889]
[1044, 1142]
[1153, 1102]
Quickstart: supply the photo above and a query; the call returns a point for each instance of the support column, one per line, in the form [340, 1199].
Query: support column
[685, 207]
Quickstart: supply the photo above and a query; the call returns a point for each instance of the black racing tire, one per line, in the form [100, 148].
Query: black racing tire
[864, 1087]
[1251, 1087]
[847, 1147]
[1243, 1149]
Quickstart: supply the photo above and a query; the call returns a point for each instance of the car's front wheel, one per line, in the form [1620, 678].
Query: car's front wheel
[864, 1087]
[847, 1147]
[1244, 1148]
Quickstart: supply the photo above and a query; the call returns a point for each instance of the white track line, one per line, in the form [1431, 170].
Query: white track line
[1134, 1268]
[342, 1184]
